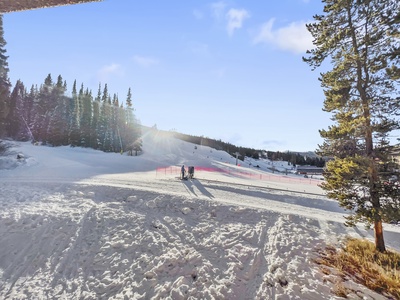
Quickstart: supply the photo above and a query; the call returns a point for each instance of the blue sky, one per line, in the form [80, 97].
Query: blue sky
[229, 70]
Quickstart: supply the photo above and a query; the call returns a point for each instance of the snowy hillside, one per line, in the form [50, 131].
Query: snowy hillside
[82, 224]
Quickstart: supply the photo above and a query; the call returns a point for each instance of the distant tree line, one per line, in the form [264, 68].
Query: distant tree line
[292, 157]
[296, 158]
[45, 114]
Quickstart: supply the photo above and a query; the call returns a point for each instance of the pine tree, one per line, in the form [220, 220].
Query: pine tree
[74, 117]
[27, 112]
[95, 127]
[392, 23]
[132, 131]
[104, 131]
[15, 115]
[4, 83]
[57, 130]
[115, 118]
[121, 128]
[42, 108]
[129, 106]
[86, 119]
[57, 133]
[360, 94]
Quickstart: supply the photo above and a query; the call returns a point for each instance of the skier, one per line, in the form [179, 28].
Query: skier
[183, 172]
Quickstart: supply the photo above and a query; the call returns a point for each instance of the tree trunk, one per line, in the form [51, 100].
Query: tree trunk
[375, 200]
[379, 241]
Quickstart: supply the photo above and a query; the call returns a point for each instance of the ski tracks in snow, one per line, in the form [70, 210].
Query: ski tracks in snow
[153, 240]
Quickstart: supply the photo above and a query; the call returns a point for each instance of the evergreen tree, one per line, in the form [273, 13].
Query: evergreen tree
[132, 132]
[57, 130]
[15, 115]
[127, 134]
[107, 117]
[129, 106]
[95, 127]
[27, 111]
[121, 128]
[105, 121]
[4, 83]
[359, 92]
[43, 107]
[115, 124]
[86, 119]
[74, 117]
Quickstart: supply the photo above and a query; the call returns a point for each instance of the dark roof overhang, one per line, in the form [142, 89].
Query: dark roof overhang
[7, 6]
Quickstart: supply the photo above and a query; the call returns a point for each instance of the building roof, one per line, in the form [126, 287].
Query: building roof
[18, 5]
[309, 169]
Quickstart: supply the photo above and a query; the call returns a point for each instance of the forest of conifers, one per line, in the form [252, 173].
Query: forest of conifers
[47, 114]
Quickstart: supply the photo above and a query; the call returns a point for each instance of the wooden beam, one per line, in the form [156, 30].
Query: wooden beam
[18, 5]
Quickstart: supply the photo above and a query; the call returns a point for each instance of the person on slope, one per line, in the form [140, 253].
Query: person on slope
[183, 172]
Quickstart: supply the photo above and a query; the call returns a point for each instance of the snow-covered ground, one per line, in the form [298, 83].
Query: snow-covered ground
[82, 224]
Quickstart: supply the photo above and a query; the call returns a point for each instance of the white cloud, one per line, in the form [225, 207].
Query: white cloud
[218, 9]
[265, 34]
[233, 17]
[145, 61]
[236, 18]
[110, 70]
[294, 37]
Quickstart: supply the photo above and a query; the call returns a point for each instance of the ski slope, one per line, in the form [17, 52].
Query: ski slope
[82, 224]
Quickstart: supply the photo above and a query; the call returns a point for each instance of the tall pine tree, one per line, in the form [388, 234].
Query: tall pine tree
[44, 106]
[115, 116]
[57, 131]
[74, 117]
[4, 83]
[14, 119]
[28, 110]
[360, 93]
[132, 130]
[86, 119]
[105, 134]
[94, 134]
